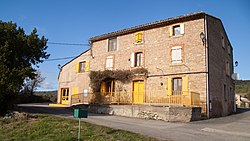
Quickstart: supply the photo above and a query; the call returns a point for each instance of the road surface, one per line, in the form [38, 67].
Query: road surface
[231, 128]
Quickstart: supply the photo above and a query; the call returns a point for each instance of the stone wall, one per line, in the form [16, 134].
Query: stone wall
[156, 48]
[222, 101]
[165, 113]
[69, 78]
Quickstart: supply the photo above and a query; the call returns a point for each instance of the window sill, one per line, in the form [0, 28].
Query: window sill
[81, 72]
[177, 36]
[137, 67]
[140, 43]
[177, 64]
[112, 51]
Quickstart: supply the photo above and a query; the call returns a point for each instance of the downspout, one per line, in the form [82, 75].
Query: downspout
[207, 67]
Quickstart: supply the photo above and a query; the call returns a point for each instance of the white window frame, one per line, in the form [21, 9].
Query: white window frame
[182, 30]
[176, 55]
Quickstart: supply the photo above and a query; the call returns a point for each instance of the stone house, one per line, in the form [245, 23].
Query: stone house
[189, 62]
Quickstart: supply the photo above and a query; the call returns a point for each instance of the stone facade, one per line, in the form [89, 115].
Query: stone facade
[221, 86]
[203, 64]
[70, 79]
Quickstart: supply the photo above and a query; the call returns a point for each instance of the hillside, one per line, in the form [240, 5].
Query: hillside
[242, 87]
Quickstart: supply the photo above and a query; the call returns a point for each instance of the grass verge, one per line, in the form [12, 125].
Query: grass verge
[40, 127]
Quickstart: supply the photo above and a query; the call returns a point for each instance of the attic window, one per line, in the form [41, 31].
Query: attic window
[176, 30]
[223, 42]
[138, 37]
[112, 46]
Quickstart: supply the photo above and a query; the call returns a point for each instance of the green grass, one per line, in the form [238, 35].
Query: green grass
[51, 128]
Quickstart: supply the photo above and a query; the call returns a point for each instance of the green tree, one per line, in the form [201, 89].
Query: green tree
[18, 53]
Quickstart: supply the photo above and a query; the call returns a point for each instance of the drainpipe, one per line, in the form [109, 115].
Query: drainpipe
[206, 66]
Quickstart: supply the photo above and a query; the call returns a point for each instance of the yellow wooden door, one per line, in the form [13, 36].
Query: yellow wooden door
[65, 95]
[138, 92]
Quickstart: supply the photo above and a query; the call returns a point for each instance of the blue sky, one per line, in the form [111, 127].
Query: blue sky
[75, 21]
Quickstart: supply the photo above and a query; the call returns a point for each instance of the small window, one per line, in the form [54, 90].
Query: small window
[176, 55]
[85, 92]
[176, 30]
[109, 63]
[177, 86]
[112, 45]
[227, 68]
[82, 67]
[223, 41]
[229, 49]
[230, 93]
[225, 92]
[138, 37]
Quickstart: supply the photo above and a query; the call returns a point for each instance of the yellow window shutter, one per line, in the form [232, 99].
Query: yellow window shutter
[87, 66]
[74, 90]
[185, 85]
[138, 37]
[169, 86]
[170, 31]
[77, 67]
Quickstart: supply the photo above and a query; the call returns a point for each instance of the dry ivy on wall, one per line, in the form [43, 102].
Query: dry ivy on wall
[124, 76]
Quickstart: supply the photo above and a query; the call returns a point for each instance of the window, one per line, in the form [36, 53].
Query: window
[138, 37]
[227, 68]
[230, 93]
[229, 49]
[176, 30]
[85, 92]
[176, 54]
[82, 66]
[136, 59]
[225, 92]
[223, 42]
[109, 63]
[112, 44]
[177, 86]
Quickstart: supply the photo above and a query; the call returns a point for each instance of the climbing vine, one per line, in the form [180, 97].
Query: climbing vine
[124, 76]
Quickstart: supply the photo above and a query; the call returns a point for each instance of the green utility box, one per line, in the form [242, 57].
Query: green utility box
[80, 113]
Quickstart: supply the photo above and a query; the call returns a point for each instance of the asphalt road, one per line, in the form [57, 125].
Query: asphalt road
[231, 128]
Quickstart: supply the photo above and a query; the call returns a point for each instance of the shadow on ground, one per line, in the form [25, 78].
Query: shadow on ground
[67, 112]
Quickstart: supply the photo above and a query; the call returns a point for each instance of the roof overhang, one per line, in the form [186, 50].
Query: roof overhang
[160, 23]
